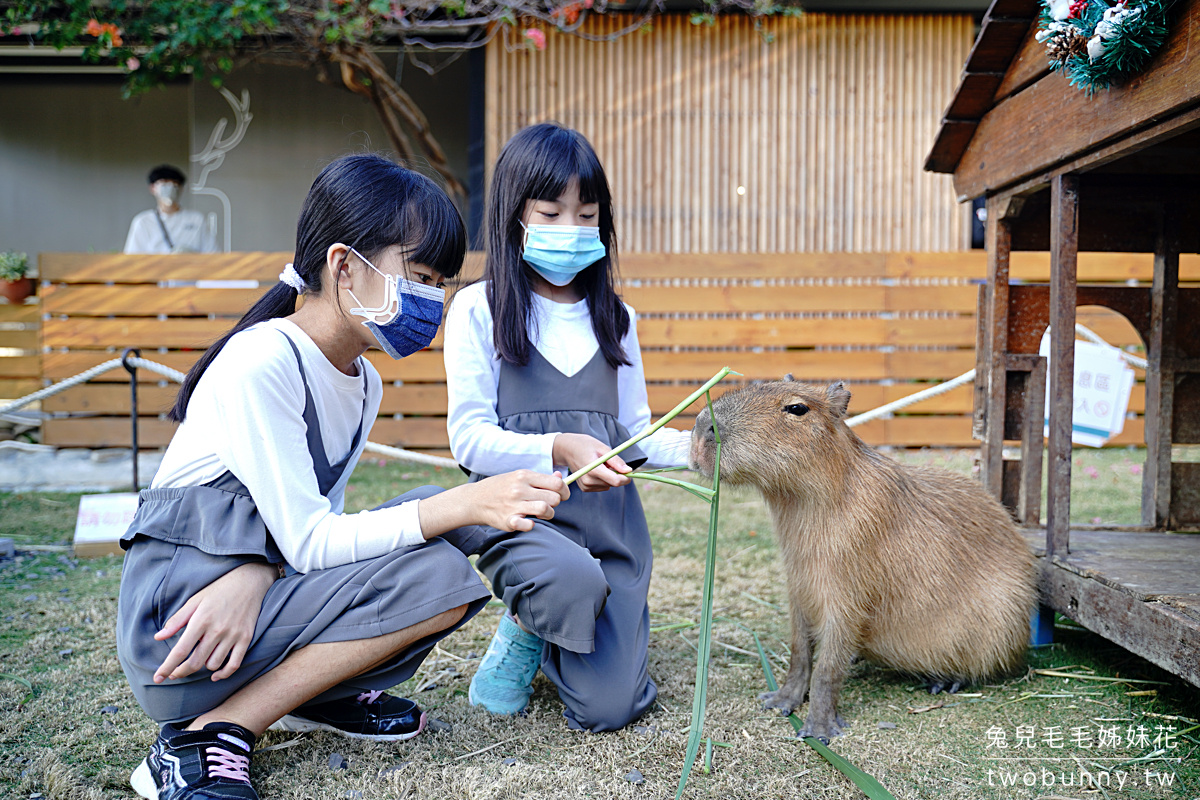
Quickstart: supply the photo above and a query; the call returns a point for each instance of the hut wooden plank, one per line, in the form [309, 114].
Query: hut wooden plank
[1155, 631]
[1064, 233]
[1030, 64]
[999, 38]
[975, 95]
[146, 300]
[1145, 565]
[953, 137]
[1006, 149]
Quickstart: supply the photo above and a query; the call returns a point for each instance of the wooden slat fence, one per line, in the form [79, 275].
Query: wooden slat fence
[20, 345]
[888, 324]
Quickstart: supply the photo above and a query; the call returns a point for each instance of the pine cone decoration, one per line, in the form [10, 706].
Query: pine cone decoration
[1067, 43]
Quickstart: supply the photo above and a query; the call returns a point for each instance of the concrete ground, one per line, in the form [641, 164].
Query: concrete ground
[31, 467]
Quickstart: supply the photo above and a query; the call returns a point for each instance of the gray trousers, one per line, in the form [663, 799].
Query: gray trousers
[587, 603]
[361, 600]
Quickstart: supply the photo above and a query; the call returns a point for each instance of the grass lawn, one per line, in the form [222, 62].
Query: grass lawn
[79, 732]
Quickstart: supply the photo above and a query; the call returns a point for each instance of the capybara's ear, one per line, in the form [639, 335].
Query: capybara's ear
[838, 397]
[788, 377]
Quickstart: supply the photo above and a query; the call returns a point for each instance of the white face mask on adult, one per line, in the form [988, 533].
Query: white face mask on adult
[166, 191]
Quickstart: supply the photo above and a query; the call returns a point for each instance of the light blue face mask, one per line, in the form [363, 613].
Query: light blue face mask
[409, 317]
[560, 252]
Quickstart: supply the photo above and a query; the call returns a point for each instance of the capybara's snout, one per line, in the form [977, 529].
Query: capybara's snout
[702, 454]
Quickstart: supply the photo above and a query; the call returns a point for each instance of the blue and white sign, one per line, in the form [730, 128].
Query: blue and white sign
[1103, 382]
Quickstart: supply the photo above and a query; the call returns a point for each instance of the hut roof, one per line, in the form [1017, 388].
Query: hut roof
[1012, 122]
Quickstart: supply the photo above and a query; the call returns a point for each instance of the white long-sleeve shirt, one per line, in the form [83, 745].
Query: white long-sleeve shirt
[246, 416]
[564, 336]
[188, 231]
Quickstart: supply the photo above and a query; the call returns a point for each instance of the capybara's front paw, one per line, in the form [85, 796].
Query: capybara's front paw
[823, 729]
[782, 700]
[949, 687]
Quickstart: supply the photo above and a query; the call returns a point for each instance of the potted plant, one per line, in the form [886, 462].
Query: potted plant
[14, 284]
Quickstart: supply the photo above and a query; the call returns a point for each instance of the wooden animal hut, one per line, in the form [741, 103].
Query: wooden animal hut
[1068, 170]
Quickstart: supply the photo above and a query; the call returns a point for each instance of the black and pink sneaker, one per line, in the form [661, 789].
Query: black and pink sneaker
[208, 764]
[375, 716]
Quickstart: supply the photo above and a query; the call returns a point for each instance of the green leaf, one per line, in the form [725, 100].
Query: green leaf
[9, 676]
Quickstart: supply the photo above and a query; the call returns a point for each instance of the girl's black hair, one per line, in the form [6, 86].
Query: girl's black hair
[370, 204]
[538, 163]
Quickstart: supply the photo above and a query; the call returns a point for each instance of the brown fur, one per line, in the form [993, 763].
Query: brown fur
[914, 568]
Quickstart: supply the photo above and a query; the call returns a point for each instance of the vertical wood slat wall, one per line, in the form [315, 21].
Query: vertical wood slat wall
[824, 119]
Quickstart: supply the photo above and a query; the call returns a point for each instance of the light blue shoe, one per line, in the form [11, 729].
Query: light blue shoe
[503, 682]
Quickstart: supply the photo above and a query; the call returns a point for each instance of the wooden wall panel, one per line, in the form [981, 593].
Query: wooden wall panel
[823, 120]
[20, 342]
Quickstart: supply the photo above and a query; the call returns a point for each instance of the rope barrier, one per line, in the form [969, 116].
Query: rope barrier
[1094, 338]
[177, 376]
[409, 455]
[933, 391]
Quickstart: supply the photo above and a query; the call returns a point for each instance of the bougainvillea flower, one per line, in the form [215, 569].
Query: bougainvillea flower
[538, 37]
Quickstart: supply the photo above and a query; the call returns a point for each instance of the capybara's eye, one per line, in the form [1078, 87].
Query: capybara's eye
[799, 409]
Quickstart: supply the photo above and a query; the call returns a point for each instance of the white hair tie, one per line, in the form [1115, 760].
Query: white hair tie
[293, 279]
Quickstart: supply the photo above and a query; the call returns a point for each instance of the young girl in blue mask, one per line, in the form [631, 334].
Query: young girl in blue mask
[248, 599]
[544, 372]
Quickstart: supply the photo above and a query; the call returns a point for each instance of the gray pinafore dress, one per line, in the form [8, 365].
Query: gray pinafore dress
[182, 539]
[580, 580]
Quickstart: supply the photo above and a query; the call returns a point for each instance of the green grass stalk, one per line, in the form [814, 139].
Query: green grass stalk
[670, 415]
[704, 641]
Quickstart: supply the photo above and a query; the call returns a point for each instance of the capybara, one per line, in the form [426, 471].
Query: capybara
[914, 568]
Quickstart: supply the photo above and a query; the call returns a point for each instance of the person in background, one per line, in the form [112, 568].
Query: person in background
[167, 228]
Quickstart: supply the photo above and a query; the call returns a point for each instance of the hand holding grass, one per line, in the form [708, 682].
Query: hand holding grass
[577, 450]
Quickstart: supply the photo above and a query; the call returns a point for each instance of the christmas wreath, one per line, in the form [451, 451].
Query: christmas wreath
[1097, 43]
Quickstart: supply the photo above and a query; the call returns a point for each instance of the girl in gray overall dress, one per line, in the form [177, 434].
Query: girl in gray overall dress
[248, 599]
[544, 371]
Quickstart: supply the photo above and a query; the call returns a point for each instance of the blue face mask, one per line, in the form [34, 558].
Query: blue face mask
[409, 317]
[560, 252]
